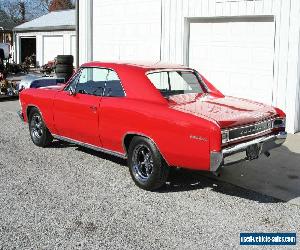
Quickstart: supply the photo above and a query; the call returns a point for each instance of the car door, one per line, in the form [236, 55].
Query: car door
[113, 115]
[76, 108]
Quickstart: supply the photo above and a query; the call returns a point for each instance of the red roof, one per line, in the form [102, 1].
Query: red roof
[138, 64]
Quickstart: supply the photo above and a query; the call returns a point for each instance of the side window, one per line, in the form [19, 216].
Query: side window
[92, 81]
[113, 86]
[160, 80]
[97, 81]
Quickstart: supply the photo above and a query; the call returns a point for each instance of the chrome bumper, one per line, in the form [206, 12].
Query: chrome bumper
[266, 143]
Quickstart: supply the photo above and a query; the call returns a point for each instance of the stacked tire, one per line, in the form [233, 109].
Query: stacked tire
[64, 66]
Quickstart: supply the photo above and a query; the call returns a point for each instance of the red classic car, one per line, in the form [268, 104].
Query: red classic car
[156, 116]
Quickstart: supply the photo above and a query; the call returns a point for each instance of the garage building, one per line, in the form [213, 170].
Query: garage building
[247, 48]
[46, 37]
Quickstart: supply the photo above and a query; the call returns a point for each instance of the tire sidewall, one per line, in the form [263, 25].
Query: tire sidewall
[42, 140]
[155, 180]
[64, 68]
[65, 59]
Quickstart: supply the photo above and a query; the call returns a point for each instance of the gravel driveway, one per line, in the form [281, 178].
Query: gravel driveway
[67, 197]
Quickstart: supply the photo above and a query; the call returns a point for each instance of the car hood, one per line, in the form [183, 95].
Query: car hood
[226, 111]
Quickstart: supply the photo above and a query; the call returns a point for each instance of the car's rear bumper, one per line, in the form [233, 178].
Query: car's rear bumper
[236, 153]
[21, 115]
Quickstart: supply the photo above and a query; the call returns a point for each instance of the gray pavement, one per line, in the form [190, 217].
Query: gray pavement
[277, 176]
[67, 197]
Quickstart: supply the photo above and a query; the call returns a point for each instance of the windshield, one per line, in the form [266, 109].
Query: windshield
[176, 82]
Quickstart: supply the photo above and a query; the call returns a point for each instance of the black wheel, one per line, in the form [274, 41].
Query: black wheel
[64, 68]
[39, 133]
[65, 59]
[146, 165]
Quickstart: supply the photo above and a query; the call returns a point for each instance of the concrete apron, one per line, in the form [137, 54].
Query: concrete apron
[277, 176]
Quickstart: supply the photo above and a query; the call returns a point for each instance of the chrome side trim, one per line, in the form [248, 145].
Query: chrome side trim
[168, 70]
[90, 146]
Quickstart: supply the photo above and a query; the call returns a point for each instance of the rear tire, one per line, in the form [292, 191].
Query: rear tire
[147, 167]
[39, 133]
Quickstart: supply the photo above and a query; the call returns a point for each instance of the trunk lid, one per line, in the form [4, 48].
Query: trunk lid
[226, 111]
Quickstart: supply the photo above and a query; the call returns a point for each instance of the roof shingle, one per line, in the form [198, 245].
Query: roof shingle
[56, 20]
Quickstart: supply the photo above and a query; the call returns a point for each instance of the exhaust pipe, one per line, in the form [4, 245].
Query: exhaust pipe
[267, 153]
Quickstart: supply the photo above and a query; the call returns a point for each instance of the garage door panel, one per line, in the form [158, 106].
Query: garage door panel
[238, 31]
[236, 56]
[202, 52]
[220, 32]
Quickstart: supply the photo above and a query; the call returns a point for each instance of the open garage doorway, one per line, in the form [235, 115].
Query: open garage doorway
[28, 49]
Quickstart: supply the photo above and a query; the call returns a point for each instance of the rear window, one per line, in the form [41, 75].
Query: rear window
[176, 82]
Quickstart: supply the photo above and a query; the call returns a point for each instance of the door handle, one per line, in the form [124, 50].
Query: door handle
[93, 108]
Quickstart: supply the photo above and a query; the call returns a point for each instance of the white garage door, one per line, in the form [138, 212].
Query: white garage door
[53, 46]
[236, 56]
[126, 30]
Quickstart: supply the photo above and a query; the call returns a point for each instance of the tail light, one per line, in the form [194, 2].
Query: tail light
[279, 123]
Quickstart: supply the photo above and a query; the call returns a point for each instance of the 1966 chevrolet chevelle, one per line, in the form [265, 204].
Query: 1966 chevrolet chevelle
[157, 116]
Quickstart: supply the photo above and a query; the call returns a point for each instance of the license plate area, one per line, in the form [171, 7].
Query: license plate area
[253, 151]
[235, 158]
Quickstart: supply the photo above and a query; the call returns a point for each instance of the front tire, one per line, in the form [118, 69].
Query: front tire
[39, 133]
[147, 167]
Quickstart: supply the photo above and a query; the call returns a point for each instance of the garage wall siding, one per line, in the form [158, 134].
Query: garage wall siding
[126, 30]
[157, 29]
[175, 14]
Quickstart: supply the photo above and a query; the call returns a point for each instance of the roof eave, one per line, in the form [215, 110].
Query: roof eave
[46, 28]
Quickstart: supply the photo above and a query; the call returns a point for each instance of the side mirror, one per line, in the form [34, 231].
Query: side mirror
[72, 91]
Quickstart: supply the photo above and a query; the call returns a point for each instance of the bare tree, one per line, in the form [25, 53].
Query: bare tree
[44, 5]
[52, 5]
[25, 10]
[12, 10]
[22, 10]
